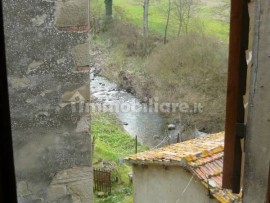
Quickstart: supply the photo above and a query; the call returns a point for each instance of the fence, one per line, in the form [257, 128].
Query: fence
[102, 180]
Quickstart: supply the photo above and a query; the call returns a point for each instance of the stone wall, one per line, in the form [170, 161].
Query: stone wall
[257, 142]
[47, 59]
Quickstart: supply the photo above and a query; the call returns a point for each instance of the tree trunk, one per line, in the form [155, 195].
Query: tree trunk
[188, 16]
[179, 28]
[108, 5]
[145, 18]
[167, 23]
[184, 12]
[180, 12]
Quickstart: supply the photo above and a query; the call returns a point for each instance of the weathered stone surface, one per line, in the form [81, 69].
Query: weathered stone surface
[257, 148]
[30, 198]
[77, 95]
[19, 82]
[33, 66]
[66, 10]
[22, 189]
[39, 20]
[83, 124]
[81, 55]
[65, 199]
[39, 59]
[56, 192]
[41, 67]
[37, 161]
[75, 182]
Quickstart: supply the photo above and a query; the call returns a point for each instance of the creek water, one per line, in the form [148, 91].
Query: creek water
[138, 118]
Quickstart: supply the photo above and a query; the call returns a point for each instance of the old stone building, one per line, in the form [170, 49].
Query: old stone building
[47, 60]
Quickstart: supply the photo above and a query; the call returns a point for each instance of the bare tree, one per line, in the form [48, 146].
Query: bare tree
[223, 11]
[168, 20]
[145, 18]
[96, 16]
[183, 10]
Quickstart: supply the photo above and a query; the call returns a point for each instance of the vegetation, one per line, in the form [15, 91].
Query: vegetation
[190, 68]
[201, 16]
[111, 144]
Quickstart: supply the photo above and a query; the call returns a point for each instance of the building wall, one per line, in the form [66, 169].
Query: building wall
[154, 184]
[47, 58]
[257, 142]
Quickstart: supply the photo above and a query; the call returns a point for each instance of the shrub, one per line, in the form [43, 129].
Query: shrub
[192, 69]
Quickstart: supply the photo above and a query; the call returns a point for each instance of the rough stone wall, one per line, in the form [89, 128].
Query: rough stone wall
[257, 143]
[47, 59]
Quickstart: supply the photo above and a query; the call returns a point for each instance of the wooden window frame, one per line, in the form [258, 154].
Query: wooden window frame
[235, 112]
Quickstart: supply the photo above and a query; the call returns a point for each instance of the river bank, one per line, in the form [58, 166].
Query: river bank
[136, 117]
[160, 75]
[189, 68]
[111, 145]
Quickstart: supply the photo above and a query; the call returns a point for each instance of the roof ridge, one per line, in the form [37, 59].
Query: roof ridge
[189, 151]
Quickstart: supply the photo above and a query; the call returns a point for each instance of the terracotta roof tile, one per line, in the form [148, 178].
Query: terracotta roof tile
[189, 150]
[203, 157]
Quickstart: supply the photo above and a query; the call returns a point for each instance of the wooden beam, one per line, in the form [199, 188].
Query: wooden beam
[237, 68]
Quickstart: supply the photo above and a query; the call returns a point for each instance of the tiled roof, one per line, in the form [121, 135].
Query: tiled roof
[209, 171]
[176, 153]
[203, 157]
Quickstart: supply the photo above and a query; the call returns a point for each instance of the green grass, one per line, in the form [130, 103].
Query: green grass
[132, 10]
[157, 18]
[111, 144]
[217, 28]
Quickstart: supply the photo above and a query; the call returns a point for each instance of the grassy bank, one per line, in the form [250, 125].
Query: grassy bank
[113, 143]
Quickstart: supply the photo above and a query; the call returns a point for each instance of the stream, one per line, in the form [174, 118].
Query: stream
[150, 127]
